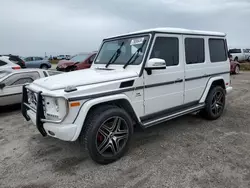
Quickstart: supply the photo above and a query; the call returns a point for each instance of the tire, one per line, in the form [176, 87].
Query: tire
[237, 69]
[45, 67]
[107, 133]
[215, 103]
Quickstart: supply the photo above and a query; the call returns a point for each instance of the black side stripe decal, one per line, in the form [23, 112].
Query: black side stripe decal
[137, 88]
[205, 76]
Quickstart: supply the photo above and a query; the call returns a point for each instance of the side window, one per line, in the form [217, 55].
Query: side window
[21, 78]
[2, 63]
[217, 49]
[22, 81]
[166, 48]
[29, 59]
[38, 58]
[195, 50]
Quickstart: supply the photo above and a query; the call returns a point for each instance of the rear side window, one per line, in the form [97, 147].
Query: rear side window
[195, 50]
[166, 48]
[2, 63]
[217, 49]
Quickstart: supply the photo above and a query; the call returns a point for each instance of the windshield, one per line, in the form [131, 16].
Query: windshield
[129, 47]
[235, 51]
[79, 58]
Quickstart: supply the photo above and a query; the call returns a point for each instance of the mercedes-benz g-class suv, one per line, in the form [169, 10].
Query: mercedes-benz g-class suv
[137, 79]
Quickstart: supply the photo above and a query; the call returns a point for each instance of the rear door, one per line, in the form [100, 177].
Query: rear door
[164, 89]
[195, 67]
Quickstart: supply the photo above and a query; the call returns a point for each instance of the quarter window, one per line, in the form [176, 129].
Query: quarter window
[166, 48]
[217, 49]
[195, 50]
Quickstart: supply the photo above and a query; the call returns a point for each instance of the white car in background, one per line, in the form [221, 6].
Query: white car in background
[239, 54]
[6, 64]
[12, 81]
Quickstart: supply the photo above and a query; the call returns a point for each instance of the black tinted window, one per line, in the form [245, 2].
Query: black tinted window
[235, 51]
[217, 49]
[2, 63]
[194, 49]
[166, 48]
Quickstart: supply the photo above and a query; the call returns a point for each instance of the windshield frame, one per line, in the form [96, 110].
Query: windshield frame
[128, 36]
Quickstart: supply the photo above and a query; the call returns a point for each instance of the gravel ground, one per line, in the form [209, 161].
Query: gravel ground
[185, 152]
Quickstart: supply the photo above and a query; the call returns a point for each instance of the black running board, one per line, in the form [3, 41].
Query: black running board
[151, 122]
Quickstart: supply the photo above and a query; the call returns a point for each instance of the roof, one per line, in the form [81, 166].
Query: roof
[175, 31]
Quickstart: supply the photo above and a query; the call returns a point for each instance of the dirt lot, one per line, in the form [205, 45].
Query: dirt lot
[186, 152]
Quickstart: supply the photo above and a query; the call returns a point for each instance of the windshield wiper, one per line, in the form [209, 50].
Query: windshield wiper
[130, 61]
[116, 55]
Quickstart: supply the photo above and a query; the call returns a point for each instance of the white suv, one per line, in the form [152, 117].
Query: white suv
[137, 79]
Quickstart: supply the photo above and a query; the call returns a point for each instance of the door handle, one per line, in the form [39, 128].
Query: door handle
[178, 80]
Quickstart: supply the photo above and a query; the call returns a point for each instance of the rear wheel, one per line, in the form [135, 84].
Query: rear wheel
[107, 134]
[215, 103]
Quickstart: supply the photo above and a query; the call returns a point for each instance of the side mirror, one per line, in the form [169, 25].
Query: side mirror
[2, 85]
[155, 63]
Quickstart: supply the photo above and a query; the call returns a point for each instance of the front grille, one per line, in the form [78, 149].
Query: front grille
[35, 103]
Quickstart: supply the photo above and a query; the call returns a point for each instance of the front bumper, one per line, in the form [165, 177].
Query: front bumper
[64, 132]
[58, 130]
[60, 69]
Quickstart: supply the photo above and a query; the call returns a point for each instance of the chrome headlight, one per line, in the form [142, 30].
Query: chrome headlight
[55, 108]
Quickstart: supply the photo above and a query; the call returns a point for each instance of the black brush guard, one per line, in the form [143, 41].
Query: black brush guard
[39, 110]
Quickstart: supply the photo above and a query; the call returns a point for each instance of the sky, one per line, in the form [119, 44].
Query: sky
[33, 27]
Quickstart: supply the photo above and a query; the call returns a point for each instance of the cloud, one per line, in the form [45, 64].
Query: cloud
[32, 27]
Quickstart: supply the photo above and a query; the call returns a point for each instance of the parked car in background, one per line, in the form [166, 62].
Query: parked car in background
[12, 81]
[239, 54]
[234, 66]
[7, 64]
[37, 62]
[80, 61]
[61, 57]
[16, 59]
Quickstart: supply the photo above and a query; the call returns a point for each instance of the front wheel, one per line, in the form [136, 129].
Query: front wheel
[107, 134]
[215, 103]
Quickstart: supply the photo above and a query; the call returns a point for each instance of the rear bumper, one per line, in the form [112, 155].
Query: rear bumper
[229, 90]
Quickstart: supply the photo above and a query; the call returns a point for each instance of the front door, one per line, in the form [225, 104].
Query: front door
[12, 92]
[164, 89]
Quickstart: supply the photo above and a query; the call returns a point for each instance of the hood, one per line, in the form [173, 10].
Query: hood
[82, 78]
[65, 63]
